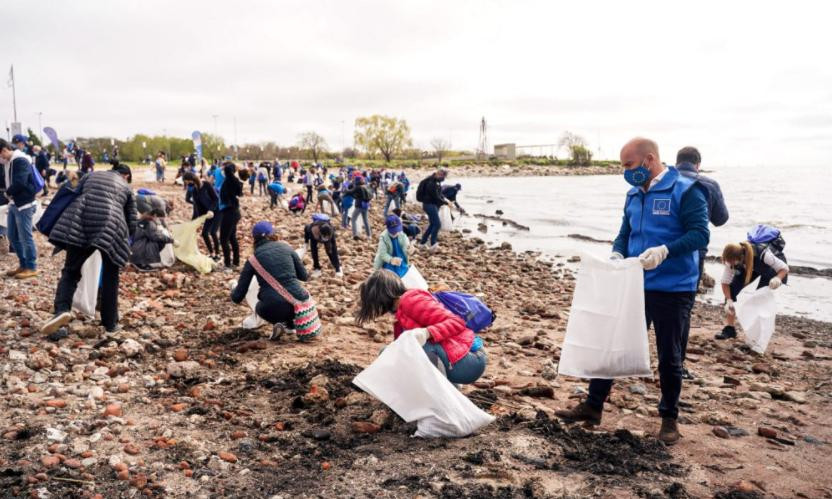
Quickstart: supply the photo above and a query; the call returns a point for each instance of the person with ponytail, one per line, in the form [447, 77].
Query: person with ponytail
[744, 262]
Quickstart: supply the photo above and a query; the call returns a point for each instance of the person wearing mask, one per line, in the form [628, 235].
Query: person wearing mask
[429, 193]
[446, 339]
[229, 199]
[392, 251]
[320, 231]
[362, 195]
[279, 263]
[103, 218]
[665, 223]
[688, 161]
[744, 262]
[205, 200]
[20, 192]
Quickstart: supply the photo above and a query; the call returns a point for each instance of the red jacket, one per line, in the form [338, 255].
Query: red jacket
[418, 309]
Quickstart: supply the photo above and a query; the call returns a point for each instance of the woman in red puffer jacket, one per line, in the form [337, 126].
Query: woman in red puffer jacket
[447, 340]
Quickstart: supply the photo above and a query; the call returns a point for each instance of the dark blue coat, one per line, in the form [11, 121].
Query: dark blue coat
[717, 211]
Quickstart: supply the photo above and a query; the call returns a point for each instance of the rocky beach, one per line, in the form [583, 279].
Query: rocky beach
[183, 402]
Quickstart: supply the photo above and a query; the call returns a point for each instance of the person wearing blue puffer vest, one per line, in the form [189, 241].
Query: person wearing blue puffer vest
[665, 224]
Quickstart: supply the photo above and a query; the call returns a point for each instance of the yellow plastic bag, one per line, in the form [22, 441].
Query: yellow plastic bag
[186, 248]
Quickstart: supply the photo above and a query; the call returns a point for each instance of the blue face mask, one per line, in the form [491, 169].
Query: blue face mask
[637, 176]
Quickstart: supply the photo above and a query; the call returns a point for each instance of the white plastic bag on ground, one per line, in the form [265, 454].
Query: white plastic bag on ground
[413, 279]
[301, 251]
[756, 310]
[188, 249]
[167, 256]
[446, 219]
[253, 321]
[606, 336]
[86, 294]
[149, 175]
[403, 378]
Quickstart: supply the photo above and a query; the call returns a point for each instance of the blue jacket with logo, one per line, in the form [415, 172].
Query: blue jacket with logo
[673, 213]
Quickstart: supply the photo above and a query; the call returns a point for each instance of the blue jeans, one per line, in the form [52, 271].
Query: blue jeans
[432, 231]
[391, 200]
[467, 369]
[345, 216]
[19, 225]
[670, 315]
[360, 213]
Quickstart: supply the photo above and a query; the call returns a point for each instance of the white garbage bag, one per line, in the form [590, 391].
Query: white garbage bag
[403, 378]
[185, 234]
[4, 215]
[413, 279]
[167, 256]
[446, 219]
[756, 310]
[301, 252]
[253, 321]
[606, 336]
[86, 294]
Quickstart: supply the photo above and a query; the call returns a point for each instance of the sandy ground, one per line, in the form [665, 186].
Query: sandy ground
[185, 403]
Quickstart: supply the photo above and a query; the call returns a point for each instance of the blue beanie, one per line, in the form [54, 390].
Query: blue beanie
[262, 229]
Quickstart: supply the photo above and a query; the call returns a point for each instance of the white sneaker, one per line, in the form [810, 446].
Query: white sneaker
[316, 274]
[56, 322]
[434, 248]
[339, 274]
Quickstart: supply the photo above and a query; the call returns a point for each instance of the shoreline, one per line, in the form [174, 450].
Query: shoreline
[195, 393]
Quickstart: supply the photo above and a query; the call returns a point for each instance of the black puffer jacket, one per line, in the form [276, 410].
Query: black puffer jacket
[279, 260]
[103, 217]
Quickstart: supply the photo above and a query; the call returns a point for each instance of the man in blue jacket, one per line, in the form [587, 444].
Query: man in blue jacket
[688, 160]
[20, 189]
[665, 224]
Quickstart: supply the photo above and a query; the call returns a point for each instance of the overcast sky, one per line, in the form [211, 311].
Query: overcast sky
[746, 82]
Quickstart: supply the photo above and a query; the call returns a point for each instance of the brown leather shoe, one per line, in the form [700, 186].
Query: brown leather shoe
[581, 412]
[12, 273]
[669, 433]
[26, 274]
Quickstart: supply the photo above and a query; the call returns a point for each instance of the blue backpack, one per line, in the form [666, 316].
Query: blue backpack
[37, 180]
[476, 314]
[320, 217]
[766, 234]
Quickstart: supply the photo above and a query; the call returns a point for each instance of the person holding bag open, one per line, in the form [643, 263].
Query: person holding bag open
[665, 223]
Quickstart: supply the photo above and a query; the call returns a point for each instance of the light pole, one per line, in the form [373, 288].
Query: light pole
[40, 127]
[236, 146]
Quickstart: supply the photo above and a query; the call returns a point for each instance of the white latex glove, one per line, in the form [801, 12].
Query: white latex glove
[775, 282]
[616, 256]
[729, 307]
[233, 284]
[653, 257]
[421, 334]
[395, 261]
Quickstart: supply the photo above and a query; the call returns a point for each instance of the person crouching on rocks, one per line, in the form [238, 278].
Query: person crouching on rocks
[745, 262]
[320, 231]
[282, 300]
[149, 239]
[392, 251]
[297, 204]
[446, 339]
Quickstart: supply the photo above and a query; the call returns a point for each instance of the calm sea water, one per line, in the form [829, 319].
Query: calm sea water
[798, 201]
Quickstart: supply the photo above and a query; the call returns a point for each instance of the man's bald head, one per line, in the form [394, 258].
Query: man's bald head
[641, 151]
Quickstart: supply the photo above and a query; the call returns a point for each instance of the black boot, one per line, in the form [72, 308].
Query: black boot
[581, 412]
[727, 333]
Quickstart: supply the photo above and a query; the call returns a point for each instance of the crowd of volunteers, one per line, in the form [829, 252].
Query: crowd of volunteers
[665, 225]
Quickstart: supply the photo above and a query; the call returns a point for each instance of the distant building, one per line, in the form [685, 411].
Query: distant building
[505, 151]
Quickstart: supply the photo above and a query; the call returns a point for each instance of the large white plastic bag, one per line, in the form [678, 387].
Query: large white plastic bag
[253, 321]
[4, 215]
[167, 256]
[403, 378]
[606, 336]
[413, 279]
[446, 219]
[86, 294]
[150, 175]
[756, 310]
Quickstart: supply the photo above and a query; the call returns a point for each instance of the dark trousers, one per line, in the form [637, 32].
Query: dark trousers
[308, 198]
[432, 231]
[71, 274]
[331, 251]
[209, 233]
[670, 315]
[274, 311]
[228, 236]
